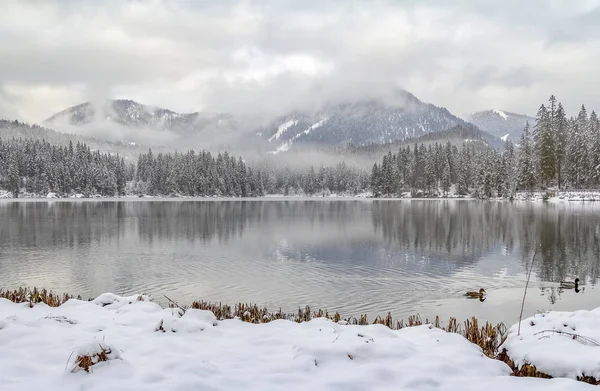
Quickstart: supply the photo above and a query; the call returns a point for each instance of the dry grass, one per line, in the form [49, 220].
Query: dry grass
[35, 296]
[528, 370]
[86, 361]
[488, 336]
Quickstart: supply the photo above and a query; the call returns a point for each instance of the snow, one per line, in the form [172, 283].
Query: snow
[505, 137]
[312, 127]
[501, 114]
[288, 144]
[282, 148]
[152, 348]
[547, 341]
[92, 349]
[562, 196]
[281, 129]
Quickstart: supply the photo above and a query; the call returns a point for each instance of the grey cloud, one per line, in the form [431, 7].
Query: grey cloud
[264, 58]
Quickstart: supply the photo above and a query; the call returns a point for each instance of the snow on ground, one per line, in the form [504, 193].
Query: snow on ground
[501, 114]
[151, 348]
[505, 137]
[570, 195]
[559, 344]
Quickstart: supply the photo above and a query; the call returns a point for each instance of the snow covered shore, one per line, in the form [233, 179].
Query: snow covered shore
[558, 344]
[147, 347]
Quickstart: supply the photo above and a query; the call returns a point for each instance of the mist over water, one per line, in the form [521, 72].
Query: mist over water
[351, 256]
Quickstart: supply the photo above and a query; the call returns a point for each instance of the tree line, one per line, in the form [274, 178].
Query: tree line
[38, 168]
[556, 153]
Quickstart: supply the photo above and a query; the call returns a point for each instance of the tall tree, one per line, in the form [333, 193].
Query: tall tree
[526, 167]
[545, 144]
[559, 125]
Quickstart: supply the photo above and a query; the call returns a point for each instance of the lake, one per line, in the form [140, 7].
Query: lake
[352, 256]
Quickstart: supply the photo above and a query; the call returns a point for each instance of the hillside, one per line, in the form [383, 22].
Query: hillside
[358, 124]
[502, 124]
[457, 135]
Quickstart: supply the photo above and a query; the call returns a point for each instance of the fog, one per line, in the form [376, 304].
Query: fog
[267, 57]
[257, 60]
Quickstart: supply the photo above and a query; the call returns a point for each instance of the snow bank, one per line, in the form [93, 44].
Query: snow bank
[559, 344]
[98, 352]
[166, 349]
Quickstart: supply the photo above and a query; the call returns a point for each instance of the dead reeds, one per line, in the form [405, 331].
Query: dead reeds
[35, 296]
[93, 354]
[529, 370]
[488, 337]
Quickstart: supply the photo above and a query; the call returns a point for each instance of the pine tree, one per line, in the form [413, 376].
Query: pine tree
[375, 181]
[560, 124]
[545, 144]
[14, 179]
[594, 126]
[526, 161]
[508, 159]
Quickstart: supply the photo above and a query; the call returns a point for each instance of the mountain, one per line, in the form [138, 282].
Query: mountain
[16, 130]
[357, 124]
[334, 126]
[502, 124]
[457, 135]
[129, 121]
[125, 112]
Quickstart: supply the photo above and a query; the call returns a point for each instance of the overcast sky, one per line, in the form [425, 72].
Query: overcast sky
[270, 57]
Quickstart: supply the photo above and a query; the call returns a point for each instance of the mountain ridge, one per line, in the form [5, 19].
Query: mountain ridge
[500, 123]
[357, 123]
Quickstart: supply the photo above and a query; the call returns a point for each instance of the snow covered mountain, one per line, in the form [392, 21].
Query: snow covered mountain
[502, 124]
[361, 123]
[356, 124]
[132, 122]
[132, 114]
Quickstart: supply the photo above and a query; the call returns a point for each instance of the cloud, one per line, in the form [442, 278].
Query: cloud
[268, 57]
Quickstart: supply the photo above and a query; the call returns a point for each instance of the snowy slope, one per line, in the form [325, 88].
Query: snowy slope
[502, 124]
[151, 348]
[360, 123]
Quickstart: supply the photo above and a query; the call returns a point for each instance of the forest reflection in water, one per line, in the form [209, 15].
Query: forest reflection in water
[385, 254]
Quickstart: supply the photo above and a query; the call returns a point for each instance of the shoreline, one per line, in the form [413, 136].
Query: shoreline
[115, 342]
[535, 196]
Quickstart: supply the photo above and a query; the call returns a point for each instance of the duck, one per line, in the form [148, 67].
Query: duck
[477, 295]
[570, 284]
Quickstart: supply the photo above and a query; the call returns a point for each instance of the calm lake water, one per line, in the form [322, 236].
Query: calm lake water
[351, 256]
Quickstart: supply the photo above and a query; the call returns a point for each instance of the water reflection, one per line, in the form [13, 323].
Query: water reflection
[349, 255]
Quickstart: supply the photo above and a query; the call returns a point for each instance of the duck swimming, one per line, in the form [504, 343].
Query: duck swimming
[570, 284]
[476, 295]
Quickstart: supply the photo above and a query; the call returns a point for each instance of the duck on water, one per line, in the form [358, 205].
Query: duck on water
[476, 295]
[570, 284]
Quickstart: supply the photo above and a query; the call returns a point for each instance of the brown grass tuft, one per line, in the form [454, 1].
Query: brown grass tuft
[528, 370]
[86, 361]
